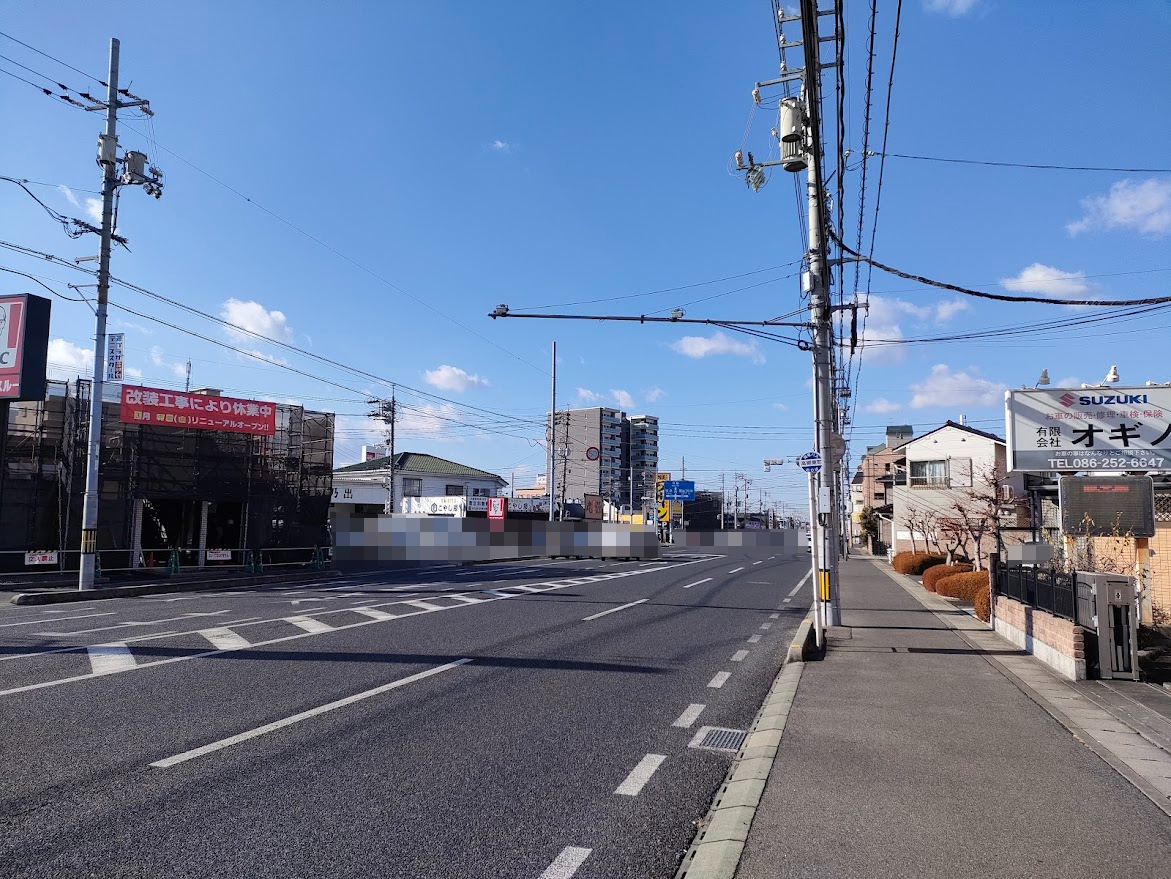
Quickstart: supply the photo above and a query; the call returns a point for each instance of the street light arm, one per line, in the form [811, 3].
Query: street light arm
[643, 318]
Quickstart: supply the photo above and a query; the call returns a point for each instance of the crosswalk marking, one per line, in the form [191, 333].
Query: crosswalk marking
[225, 639]
[309, 624]
[106, 659]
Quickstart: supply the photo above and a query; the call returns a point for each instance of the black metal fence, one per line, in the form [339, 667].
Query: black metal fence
[1044, 588]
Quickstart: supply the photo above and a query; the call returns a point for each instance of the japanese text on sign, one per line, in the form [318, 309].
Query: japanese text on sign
[161, 408]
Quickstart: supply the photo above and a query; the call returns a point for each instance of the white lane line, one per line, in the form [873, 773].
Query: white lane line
[374, 613]
[467, 599]
[766, 626]
[804, 580]
[566, 863]
[424, 605]
[719, 680]
[758, 563]
[774, 616]
[225, 639]
[309, 624]
[614, 610]
[640, 775]
[57, 620]
[168, 762]
[739, 655]
[771, 557]
[698, 582]
[106, 659]
[690, 715]
[754, 638]
[786, 600]
[735, 570]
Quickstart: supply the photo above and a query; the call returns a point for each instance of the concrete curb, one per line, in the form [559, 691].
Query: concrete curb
[64, 596]
[715, 852]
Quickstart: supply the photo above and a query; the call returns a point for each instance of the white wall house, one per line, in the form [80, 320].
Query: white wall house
[942, 467]
[367, 484]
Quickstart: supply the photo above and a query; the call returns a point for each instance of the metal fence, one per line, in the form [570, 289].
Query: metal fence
[1044, 588]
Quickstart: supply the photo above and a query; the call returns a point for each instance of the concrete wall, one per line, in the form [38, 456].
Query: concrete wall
[364, 543]
[1058, 643]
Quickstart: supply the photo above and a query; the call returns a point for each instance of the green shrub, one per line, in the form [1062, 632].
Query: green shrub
[916, 562]
[937, 572]
[982, 602]
[963, 586]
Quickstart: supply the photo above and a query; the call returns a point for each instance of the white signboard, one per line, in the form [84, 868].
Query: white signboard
[41, 558]
[1089, 429]
[116, 343]
[354, 493]
[453, 505]
[219, 555]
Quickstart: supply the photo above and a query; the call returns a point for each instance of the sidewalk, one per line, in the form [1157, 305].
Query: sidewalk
[916, 749]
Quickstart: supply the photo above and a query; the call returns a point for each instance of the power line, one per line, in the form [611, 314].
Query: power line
[1028, 165]
[100, 82]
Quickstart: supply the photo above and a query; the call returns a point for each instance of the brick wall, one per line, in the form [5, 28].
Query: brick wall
[1058, 643]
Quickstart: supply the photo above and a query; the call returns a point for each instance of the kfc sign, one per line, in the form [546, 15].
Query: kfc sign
[160, 408]
[24, 345]
[497, 507]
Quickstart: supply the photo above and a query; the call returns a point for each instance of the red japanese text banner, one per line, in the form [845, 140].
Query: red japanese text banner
[160, 408]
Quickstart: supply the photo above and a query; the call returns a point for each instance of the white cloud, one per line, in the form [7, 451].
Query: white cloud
[585, 395]
[93, 209]
[132, 372]
[70, 360]
[622, 399]
[882, 406]
[945, 388]
[719, 342]
[781, 406]
[254, 317]
[452, 378]
[69, 196]
[500, 146]
[1144, 207]
[1048, 281]
[431, 421]
[945, 311]
[177, 368]
[1070, 381]
[884, 320]
[953, 8]
[653, 395]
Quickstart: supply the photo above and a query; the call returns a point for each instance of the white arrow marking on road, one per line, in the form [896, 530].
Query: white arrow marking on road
[690, 715]
[566, 863]
[225, 639]
[106, 659]
[614, 610]
[640, 775]
[309, 624]
[304, 715]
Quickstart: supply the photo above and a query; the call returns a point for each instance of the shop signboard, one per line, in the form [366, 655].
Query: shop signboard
[163, 408]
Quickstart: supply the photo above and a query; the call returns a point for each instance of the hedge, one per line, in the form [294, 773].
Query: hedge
[982, 602]
[916, 562]
[936, 573]
[963, 586]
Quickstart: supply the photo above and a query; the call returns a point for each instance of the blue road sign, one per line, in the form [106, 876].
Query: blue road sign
[810, 462]
[679, 490]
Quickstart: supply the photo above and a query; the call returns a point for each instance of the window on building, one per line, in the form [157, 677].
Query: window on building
[481, 492]
[929, 473]
[454, 490]
[412, 486]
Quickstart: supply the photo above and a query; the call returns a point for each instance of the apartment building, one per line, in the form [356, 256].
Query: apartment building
[595, 449]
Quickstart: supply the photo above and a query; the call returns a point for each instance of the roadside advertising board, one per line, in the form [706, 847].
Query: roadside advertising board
[115, 349]
[593, 507]
[497, 507]
[1089, 429]
[162, 408]
[24, 346]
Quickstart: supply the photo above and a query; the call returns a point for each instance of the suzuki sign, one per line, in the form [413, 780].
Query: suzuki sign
[1089, 429]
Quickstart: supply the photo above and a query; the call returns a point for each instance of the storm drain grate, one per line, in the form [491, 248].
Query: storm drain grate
[718, 738]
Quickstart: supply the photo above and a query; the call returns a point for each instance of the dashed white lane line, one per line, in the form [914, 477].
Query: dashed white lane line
[739, 655]
[735, 570]
[566, 863]
[309, 624]
[758, 563]
[614, 610]
[698, 582]
[424, 605]
[766, 626]
[752, 639]
[785, 600]
[225, 639]
[689, 716]
[374, 613]
[108, 658]
[640, 775]
[719, 680]
[774, 616]
[168, 762]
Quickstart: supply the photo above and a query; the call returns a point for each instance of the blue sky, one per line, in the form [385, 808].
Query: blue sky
[442, 158]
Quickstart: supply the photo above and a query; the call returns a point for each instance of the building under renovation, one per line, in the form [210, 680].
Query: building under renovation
[162, 487]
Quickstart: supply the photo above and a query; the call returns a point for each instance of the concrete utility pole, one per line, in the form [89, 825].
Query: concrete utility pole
[135, 173]
[387, 410]
[550, 479]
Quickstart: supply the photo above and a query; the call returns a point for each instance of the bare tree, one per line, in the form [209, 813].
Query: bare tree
[978, 506]
[953, 536]
[909, 520]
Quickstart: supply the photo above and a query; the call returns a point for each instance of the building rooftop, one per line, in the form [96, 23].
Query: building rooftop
[417, 462]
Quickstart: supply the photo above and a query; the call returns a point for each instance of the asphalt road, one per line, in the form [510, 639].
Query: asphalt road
[514, 720]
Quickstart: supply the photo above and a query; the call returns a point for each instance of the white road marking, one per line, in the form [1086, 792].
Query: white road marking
[735, 570]
[690, 715]
[57, 620]
[467, 599]
[758, 563]
[131, 623]
[640, 775]
[766, 626]
[739, 655]
[424, 605]
[804, 580]
[698, 582]
[106, 659]
[752, 639]
[614, 610]
[719, 680]
[374, 613]
[309, 624]
[786, 600]
[566, 863]
[774, 616]
[500, 593]
[225, 639]
[304, 715]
